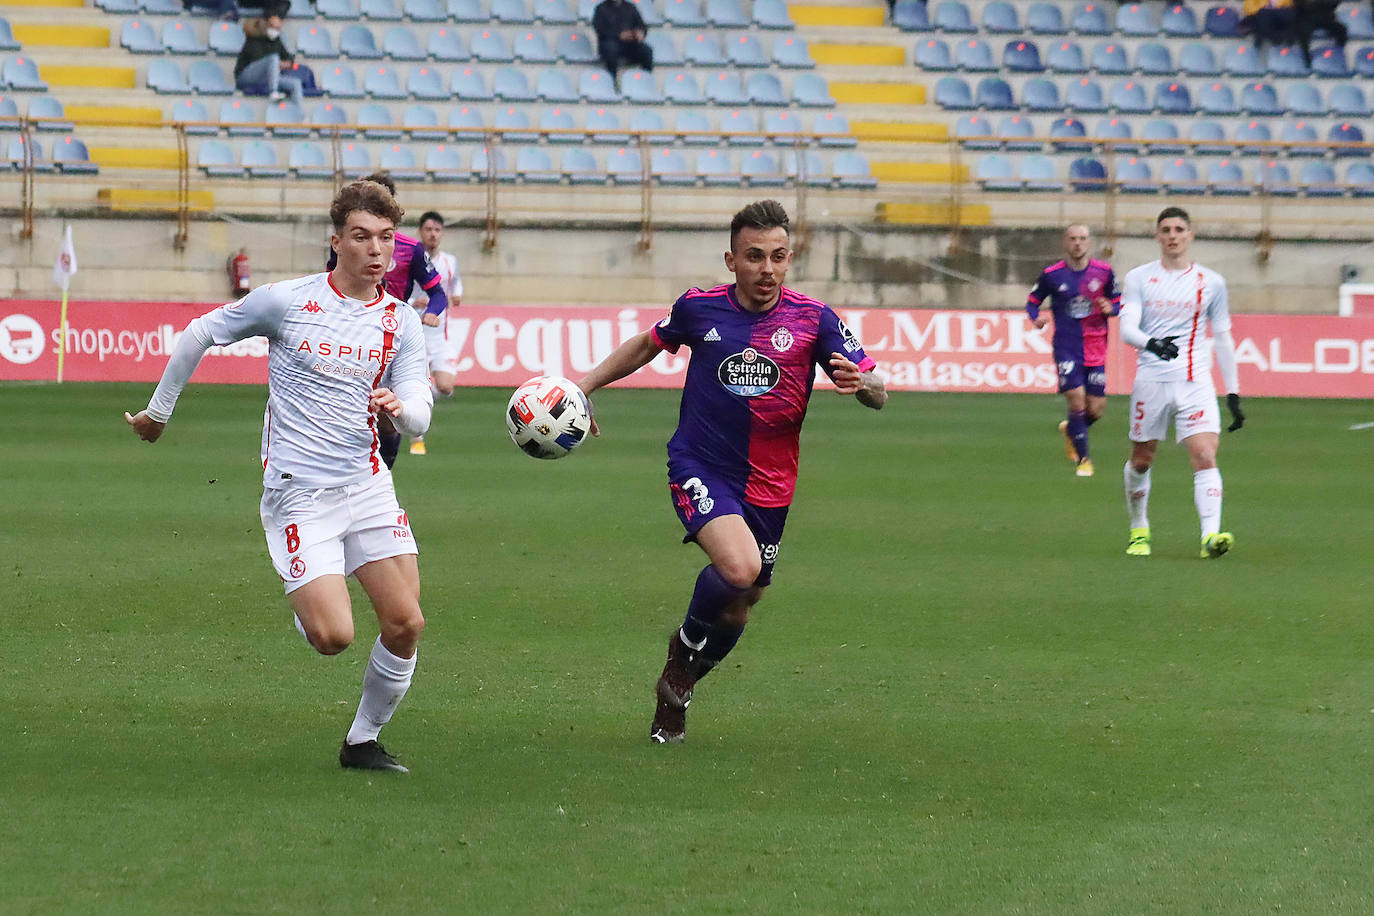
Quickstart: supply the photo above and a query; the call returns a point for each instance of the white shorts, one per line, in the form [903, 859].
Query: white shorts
[1191, 405]
[436, 346]
[334, 530]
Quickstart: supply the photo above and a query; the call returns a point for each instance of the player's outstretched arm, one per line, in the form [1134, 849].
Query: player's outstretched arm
[868, 389]
[629, 357]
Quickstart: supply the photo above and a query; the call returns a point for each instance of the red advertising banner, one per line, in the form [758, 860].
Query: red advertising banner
[919, 349]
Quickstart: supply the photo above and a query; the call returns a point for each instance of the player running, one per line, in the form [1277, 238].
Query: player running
[732, 463]
[342, 353]
[442, 361]
[1166, 309]
[1082, 294]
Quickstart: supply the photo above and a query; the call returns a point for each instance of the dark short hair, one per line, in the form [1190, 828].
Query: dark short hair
[367, 195]
[383, 179]
[431, 215]
[761, 214]
[1172, 213]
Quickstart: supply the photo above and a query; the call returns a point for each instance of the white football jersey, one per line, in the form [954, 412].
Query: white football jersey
[326, 354]
[446, 265]
[1184, 304]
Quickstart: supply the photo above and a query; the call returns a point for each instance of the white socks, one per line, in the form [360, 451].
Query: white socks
[1207, 498]
[1137, 495]
[384, 684]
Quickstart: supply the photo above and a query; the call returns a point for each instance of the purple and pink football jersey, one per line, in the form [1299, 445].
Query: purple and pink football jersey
[748, 383]
[1080, 330]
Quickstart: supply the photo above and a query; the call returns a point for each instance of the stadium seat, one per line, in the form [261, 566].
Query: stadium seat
[1116, 135]
[999, 17]
[554, 12]
[534, 165]
[792, 53]
[580, 167]
[510, 84]
[1154, 59]
[726, 14]
[623, 166]
[1090, 19]
[383, 82]
[297, 9]
[575, 48]
[552, 85]
[425, 11]
[1087, 174]
[401, 43]
[533, 48]
[665, 48]
[833, 129]
[338, 9]
[850, 169]
[1356, 18]
[71, 157]
[286, 119]
[681, 88]
[740, 128]
[1128, 97]
[307, 160]
[1180, 177]
[1241, 59]
[1018, 133]
[445, 163]
[426, 82]
[1364, 62]
[375, 122]
[1044, 18]
[488, 163]
[447, 45]
[640, 88]
[1216, 98]
[1346, 132]
[48, 114]
[1329, 63]
[1253, 132]
[1085, 95]
[138, 37]
[1359, 177]
[724, 87]
[1021, 56]
[226, 38]
[1226, 177]
[604, 126]
[953, 92]
[808, 90]
[165, 76]
[744, 50]
[470, 85]
[315, 41]
[180, 38]
[974, 56]
[1347, 100]
[1109, 57]
[1274, 179]
[1066, 56]
[422, 123]
[1067, 135]
[1037, 95]
[1133, 177]
[466, 122]
[1222, 22]
[994, 94]
[491, 47]
[1301, 139]
[805, 167]
[694, 128]
[1135, 20]
[647, 123]
[597, 87]
[357, 42]
[1259, 99]
[193, 110]
[716, 168]
[1209, 138]
[468, 11]
[383, 10]
[1304, 100]
[1161, 137]
[1173, 98]
[909, 16]
[215, 159]
[512, 12]
[513, 125]
[975, 132]
[1178, 20]
[773, 14]
[326, 117]
[954, 17]
[9, 112]
[1286, 61]
[703, 49]
[783, 126]
[207, 78]
[1038, 173]
[995, 172]
[1318, 179]
[648, 11]
[7, 40]
[761, 169]
[1197, 59]
[684, 14]
[117, 6]
[259, 159]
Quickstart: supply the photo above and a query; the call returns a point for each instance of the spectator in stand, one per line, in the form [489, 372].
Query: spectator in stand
[1270, 21]
[1318, 16]
[620, 33]
[264, 61]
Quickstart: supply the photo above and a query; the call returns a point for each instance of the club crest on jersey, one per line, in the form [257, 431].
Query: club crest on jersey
[748, 373]
[782, 340]
[390, 324]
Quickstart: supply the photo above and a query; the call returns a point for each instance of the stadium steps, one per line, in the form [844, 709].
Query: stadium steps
[135, 157]
[936, 214]
[831, 15]
[32, 35]
[114, 115]
[76, 76]
[151, 199]
[919, 172]
[885, 93]
[46, 4]
[857, 55]
[886, 131]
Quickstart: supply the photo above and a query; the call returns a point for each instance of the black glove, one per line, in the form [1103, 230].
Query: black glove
[1163, 347]
[1237, 417]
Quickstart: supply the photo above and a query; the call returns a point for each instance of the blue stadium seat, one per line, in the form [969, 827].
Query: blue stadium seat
[1197, 59]
[553, 122]
[745, 50]
[576, 48]
[375, 122]
[357, 42]
[694, 128]
[975, 132]
[1154, 59]
[307, 160]
[1038, 173]
[137, 36]
[995, 172]
[1301, 137]
[422, 123]
[7, 40]
[1216, 98]
[994, 94]
[385, 10]
[1356, 18]
[1173, 98]
[1274, 179]
[512, 12]
[953, 92]
[162, 7]
[1318, 179]
[933, 54]
[596, 86]
[999, 17]
[1359, 176]
[1222, 22]
[1119, 131]
[117, 6]
[445, 163]
[739, 126]
[9, 112]
[1347, 100]
[1085, 95]
[260, 160]
[1067, 135]
[974, 56]
[299, 9]
[555, 12]
[1128, 97]
[908, 15]
[682, 88]
[1241, 59]
[1135, 20]
[469, 11]
[466, 122]
[338, 9]
[647, 122]
[1180, 176]
[48, 114]
[580, 167]
[1346, 132]
[180, 38]
[1178, 20]
[1209, 138]
[702, 49]
[72, 158]
[552, 85]
[640, 88]
[425, 11]
[850, 169]
[401, 43]
[1087, 174]
[1259, 99]
[684, 14]
[761, 169]
[773, 14]
[1109, 57]
[726, 14]
[1329, 63]
[724, 87]
[1066, 56]
[1090, 19]
[315, 41]
[1018, 133]
[447, 44]
[216, 159]
[1133, 177]
[286, 119]
[1364, 62]
[783, 125]
[1020, 56]
[1043, 18]
[226, 38]
[491, 46]
[1253, 132]
[808, 90]
[954, 17]
[383, 82]
[165, 76]
[510, 84]
[792, 53]
[207, 78]
[1161, 137]
[1226, 177]
[514, 125]
[648, 11]
[470, 85]
[716, 168]
[488, 162]
[833, 129]
[534, 165]
[1286, 61]
[325, 117]
[1304, 100]
[1038, 95]
[425, 82]
[805, 167]
[665, 48]
[604, 126]
[624, 166]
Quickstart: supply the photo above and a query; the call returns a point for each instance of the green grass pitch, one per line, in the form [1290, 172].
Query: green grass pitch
[958, 697]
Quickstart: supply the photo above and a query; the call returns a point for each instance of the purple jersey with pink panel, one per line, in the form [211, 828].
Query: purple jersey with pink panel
[1080, 329]
[748, 383]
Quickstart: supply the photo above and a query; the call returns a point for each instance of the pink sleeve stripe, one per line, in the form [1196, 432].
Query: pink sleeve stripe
[791, 295]
[697, 293]
[660, 342]
[868, 363]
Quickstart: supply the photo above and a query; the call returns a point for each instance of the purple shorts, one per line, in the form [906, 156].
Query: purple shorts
[1073, 374]
[699, 497]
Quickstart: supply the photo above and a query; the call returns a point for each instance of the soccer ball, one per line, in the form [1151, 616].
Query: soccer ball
[548, 417]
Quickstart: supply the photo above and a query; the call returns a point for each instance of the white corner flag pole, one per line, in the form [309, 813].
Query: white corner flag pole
[62, 272]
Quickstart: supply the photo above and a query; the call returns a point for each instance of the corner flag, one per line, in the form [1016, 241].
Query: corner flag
[62, 272]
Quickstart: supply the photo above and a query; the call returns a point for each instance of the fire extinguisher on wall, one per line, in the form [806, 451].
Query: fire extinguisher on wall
[240, 276]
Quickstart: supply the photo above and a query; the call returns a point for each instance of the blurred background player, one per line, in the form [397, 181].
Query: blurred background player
[341, 353]
[732, 463]
[1166, 310]
[442, 364]
[410, 267]
[1082, 295]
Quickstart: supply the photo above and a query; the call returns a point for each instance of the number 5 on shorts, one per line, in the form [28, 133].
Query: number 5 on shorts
[293, 538]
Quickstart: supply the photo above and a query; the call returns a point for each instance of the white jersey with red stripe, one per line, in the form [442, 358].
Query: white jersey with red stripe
[1184, 304]
[326, 354]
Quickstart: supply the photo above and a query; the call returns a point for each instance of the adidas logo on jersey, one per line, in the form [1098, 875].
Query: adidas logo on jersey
[313, 307]
[712, 334]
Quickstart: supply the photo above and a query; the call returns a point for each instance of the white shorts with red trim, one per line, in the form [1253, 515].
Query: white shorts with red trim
[1191, 405]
